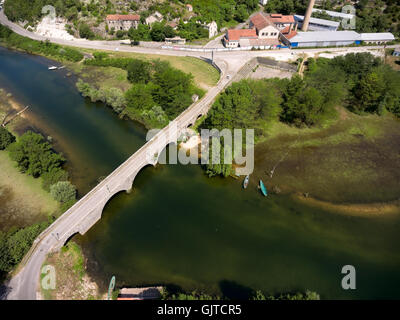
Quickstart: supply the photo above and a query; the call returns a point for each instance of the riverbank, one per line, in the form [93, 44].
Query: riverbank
[23, 199]
[72, 281]
[353, 160]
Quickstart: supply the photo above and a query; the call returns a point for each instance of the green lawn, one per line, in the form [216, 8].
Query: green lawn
[22, 197]
[205, 76]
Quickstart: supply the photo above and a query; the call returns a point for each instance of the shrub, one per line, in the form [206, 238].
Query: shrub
[53, 176]
[34, 155]
[63, 191]
[85, 31]
[6, 138]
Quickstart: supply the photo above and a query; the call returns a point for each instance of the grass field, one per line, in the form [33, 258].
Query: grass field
[23, 201]
[356, 159]
[205, 76]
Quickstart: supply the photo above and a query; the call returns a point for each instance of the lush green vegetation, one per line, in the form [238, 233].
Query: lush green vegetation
[360, 82]
[15, 243]
[308, 295]
[20, 10]
[287, 6]
[224, 11]
[36, 157]
[39, 47]
[250, 294]
[158, 94]
[63, 191]
[6, 138]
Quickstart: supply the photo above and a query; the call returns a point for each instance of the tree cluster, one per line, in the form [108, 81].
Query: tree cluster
[6, 138]
[15, 243]
[36, 157]
[158, 94]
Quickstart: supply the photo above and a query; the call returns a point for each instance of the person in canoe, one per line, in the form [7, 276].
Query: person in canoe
[263, 189]
[246, 182]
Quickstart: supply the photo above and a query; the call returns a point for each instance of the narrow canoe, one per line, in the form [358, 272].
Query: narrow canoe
[263, 188]
[246, 182]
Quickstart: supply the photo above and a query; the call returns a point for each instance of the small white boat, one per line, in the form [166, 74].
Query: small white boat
[52, 68]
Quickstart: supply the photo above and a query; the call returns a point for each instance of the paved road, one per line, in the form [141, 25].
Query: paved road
[86, 212]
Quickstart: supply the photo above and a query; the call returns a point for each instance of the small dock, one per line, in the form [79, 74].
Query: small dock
[147, 293]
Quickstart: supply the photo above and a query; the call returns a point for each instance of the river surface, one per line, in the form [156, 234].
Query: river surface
[179, 227]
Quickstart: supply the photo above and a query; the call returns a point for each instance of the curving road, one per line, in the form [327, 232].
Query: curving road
[87, 211]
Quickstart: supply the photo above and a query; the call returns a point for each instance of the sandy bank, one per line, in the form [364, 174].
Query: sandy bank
[360, 210]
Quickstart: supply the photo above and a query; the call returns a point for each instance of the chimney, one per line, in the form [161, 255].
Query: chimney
[308, 15]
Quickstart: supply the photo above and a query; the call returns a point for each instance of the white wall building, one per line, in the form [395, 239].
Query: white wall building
[377, 38]
[317, 24]
[155, 17]
[122, 21]
[212, 29]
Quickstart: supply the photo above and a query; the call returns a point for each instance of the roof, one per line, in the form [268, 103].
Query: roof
[335, 14]
[279, 18]
[123, 17]
[319, 36]
[260, 21]
[322, 22]
[172, 24]
[377, 36]
[237, 34]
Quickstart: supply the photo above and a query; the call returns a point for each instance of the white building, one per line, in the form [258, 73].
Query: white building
[377, 38]
[265, 28]
[212, 29]
[322, 39]
[317, 24]
[122, 21]
[155, 17]
[263, 2]
[335, 14]
[234, 36]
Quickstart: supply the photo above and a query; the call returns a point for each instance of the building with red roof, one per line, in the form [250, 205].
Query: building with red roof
[234, 36]
[122, 21]
[264, 26]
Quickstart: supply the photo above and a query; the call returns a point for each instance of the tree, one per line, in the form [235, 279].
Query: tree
[53, 176]
[139, 98]
[85, 31]
[139, 71]
[6, 138]
[63, 191]
[34, 155]
[241, 13]
[157, 32]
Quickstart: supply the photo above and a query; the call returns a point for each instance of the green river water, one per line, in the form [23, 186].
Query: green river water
[180, 227]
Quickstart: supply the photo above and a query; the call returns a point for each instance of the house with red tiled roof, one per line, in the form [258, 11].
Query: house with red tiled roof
[122, 21]
[265, 28]
[281, 21]
[234, 36]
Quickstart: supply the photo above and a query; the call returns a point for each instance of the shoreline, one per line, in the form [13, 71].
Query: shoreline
[351, 209]
[376, 209]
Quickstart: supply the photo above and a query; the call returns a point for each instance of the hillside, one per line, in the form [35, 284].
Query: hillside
[86, 18]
